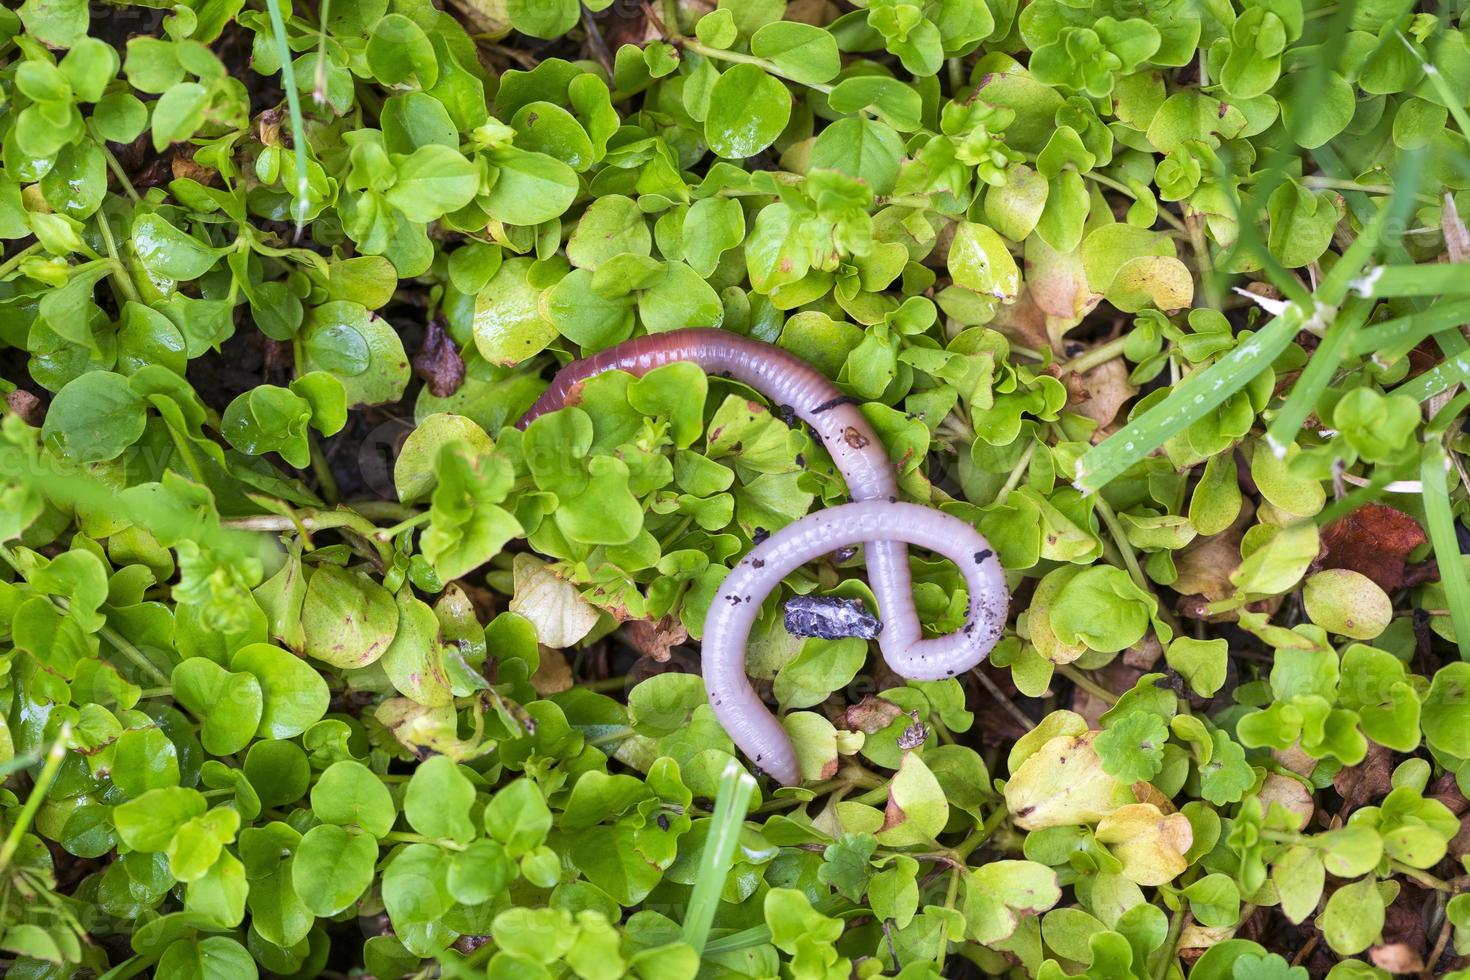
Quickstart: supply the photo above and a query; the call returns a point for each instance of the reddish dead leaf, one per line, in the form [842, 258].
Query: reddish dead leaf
[1368, 781]
[26, 405]
[1446, 790]
[656, 639]
[1397, 958]
[1375, 540]
[870, 715]
[438, 362]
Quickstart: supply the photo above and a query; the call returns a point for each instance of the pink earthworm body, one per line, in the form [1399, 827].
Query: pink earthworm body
[876, 519]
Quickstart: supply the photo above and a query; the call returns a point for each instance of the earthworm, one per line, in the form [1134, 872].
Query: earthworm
[877, 520]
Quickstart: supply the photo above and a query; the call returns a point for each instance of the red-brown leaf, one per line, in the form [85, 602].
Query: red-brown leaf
[1375, 540]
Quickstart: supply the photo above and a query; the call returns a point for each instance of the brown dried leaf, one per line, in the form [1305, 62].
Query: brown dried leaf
[1375, 540]
[870, 715]
[1205, 564]
[656, 639]
[1396, 958]
[553, 675]
[1369, 780]
[1108, 390]
[1022, 321]
[438, 362]
[26, 405]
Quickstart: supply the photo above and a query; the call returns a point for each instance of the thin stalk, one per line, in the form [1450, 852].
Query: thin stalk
[950, 895]
[120, 272]
[735, 57]
[1086, 683]
[1120, 539]
[1441, 520]
[323, 471]
[293, 105]
[123, 180]
[10, 264]
[731, 803]
[38, 792]
[417, 520]
[1096, 357]
[1171, 944]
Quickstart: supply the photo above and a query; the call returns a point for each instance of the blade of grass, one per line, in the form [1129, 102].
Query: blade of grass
[38, 793]
[1439, 279]
[1316, 376]
[293, 105]
[1392, 339]
[731, 804]
[1442, 377]
[1323, 364]
[760, 935]
[1196, 396]
[1440, 517]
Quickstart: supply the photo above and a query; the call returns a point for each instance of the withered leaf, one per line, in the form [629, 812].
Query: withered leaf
[1375, 540]
[438, 362]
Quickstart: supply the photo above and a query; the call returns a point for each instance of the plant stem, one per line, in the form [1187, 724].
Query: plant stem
[401, 836]
[123, 180]
[1171, 944]
[323, 471]
[1120, 539]
[38, 792]
[720, 54]
[389, 533]
[1018, 472]
[949, 898]
[9, 264]
[120, 272]
[1423, 877]
[1082, 680]
[1099, 355]
[981, 833]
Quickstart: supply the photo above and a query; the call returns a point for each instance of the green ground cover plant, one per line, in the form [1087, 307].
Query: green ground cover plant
[312, 664]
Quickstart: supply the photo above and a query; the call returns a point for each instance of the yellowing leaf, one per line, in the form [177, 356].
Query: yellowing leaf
[1063, 784]
[552, 604]
[1159, 281]
[1150, 845]
[917, 810]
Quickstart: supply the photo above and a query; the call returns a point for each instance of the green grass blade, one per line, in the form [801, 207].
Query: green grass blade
[54, 757]
[1316, 376]
[293, 105]
[1439, 279]
[733, 799]
[1442, 377]
[1392, 339]
[1196, 396]
[1441, 519]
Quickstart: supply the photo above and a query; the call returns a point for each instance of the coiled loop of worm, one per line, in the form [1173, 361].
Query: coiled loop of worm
[876, 520]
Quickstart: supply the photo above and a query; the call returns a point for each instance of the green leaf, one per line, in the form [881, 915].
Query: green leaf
[349, 619]
[332, 867]
[349, 794]
[748, 110]
[438, 801]
[149, 822]
[432, 181]
[800, 52]
[94, 418]
[529, 187]
[295, 695]
[229, 704]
